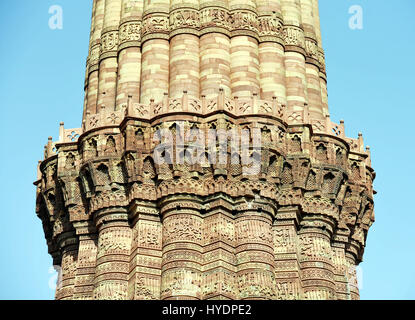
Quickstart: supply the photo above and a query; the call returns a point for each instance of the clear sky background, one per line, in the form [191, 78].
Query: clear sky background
[370, 83]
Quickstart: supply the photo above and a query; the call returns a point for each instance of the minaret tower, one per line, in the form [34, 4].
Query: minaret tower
[123, 225]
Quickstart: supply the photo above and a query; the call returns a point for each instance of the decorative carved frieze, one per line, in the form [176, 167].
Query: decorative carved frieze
[294, 36]
[124, 225]
[109, 41]
[155, 25]
[130, 31]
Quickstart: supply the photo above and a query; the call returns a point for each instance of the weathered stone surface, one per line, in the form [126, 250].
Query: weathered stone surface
[124, 226]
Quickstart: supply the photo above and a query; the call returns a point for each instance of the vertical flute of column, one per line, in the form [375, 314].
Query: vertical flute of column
[322, 62]
[351, 273]
[85, 96]
[86, 262]
[296, 80]
[271, 51]
[91, 35]
[341, 270]
[287, 269]
[323, 84]
[219, 269]
[315, 252]
[312, 61]
[146, 252]
[184, 48]
[108, 67]
[113, 256]
[244, 66]
[68, 243]
[129, 53]
[254, 251]
[244, 55]
[215, 59]
[316, 15]
[184, 65]
[155, 51]
[181, 271]
[93, 59]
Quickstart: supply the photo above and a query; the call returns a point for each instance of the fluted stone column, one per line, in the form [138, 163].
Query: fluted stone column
[91, 32]
[215, 59]
[322, 73]
[92, 92]
[146, 252]
[88, 65]
[129, 55]
[244, 66]
[68, 243]
[296, 79]
[244, 52]
[155, 51]
[323, 86]
[113, 256]
[351, 263]
[181, 271]
[271, 53]
[108, 67]
[316, 16]
[254, 251]
[93, 59]
[312, 62]
[219, 261]
[184, 48]
[315, 252]
[155, 70]
[86, 262]
[341, 271]
[184, 65]
[287, 268]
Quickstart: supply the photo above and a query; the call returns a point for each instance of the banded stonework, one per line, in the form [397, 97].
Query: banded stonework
[123, 226]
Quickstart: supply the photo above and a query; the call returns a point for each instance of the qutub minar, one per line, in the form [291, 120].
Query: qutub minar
[123, 226]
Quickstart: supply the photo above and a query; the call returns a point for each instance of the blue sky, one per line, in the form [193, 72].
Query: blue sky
[370, 74]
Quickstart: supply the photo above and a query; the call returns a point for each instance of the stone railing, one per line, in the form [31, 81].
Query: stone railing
[69, 135]
[203, 107]
[50, 148]
[186, 104]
